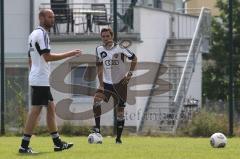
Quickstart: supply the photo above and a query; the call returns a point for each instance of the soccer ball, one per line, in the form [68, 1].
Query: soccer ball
[95, 138]
[218, 140]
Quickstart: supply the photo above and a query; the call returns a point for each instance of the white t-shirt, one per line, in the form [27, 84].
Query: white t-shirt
[113, 60]
[38, 45]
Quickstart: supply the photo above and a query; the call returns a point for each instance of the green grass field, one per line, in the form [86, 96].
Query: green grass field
[132, 147]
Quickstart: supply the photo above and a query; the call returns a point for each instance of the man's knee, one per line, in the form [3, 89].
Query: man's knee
[51, 109]
[98, 99]
[99, 96]
[36, 110]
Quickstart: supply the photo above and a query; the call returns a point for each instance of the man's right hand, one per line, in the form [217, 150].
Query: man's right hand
[99, 95]
[101, 88]
[75, 52]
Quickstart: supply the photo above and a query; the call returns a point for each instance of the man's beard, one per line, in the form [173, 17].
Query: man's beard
[48, 26]
[108, 43]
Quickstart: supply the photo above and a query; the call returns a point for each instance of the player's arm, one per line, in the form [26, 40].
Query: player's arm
[59, 56]
[30, 62]
[133, 65]
[43, 48]
[131, 56]
[29, 59]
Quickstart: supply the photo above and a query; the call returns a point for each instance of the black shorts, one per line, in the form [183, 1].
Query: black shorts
[41, 95]
[118, 91]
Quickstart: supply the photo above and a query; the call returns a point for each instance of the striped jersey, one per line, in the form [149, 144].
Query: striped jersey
[113, 60]
[38, 43]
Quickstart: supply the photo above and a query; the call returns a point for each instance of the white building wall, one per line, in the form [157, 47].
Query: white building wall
[184, 25]
[16, 31]
[154, 28]
[17, 26]
[167, 5]
[195, 87]
[37, 6]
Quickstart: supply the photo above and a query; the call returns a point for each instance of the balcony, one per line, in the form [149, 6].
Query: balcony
[83, 21]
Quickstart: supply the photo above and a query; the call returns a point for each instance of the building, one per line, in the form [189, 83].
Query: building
[211, 4]
[168, 5]
[159, 35]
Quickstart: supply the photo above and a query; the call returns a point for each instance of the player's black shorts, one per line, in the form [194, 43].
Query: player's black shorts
[118, 91]
[41, 95]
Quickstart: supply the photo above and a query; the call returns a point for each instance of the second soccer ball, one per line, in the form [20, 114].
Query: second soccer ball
[218, 140]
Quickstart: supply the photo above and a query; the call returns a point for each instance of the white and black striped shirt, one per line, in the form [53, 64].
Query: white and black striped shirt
[113, 60]
[38, 43]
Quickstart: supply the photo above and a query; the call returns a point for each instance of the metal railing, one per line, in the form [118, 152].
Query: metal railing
[202, 31]
[152, 90]
[184, 24]
[79, 16]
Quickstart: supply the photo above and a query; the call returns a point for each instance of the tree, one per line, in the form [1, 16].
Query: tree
[215, 71]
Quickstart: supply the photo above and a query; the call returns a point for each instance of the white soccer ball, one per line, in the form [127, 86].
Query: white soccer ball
[218, 140]
[95, 138]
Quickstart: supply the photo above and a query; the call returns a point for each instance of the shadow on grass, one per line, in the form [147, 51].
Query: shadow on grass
[35, 154]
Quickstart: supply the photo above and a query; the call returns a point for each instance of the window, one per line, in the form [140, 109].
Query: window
[84, 76]
[158, 4]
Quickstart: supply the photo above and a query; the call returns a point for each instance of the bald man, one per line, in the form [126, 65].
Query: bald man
[39, 60]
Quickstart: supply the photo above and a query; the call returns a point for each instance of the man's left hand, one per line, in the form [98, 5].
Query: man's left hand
[126, 79]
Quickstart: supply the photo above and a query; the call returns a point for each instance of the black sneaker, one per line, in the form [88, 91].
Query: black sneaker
[95, 130]
[118, 141]
[63, 146]
[26, 150]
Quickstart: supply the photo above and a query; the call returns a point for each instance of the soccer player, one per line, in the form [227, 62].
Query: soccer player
[113, 78]
[39, 58]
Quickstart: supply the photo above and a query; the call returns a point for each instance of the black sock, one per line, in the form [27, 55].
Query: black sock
[97, 122]
[97, 114]
[56, 138]
[25, 140]
[120, 125]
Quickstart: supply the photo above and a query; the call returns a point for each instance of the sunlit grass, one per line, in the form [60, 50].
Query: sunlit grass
[132, 147]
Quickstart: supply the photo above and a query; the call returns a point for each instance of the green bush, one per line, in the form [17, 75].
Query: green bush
[69, 129]
[41, 130]
[205, 124]
[73, 130]
[16, 112]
